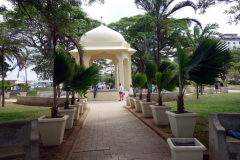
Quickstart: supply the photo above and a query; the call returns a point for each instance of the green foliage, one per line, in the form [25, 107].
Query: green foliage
[25, 87]
[7, 85]
[140, 80]
[204, 66]
[7, 68]
[165, 79]
[62, 67]
[85, 78]
[134, 83]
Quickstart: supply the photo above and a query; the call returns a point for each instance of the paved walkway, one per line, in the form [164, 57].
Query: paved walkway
[110, 132]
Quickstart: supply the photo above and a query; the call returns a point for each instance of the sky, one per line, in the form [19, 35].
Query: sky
[114, 10]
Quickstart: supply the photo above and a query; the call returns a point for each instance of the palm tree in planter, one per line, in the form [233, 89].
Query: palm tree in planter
[134, 85]
[150, 70]
[203, 67]
[166, 81]
[224, 89]
[24, 88]
[140, 80]
[83, 81]
[52, 127]
[73, 110]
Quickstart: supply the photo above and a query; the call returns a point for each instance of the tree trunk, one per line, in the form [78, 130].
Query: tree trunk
[134, 92]
[160, 101]
[180, 104]
[66, 104]
[3, 88]
[140, 96]
[197, 91]
[148, 96]
[73, 98]
[58, 90]
[54, 108]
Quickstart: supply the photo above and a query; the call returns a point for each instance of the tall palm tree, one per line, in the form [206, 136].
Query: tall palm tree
[160, 11]
[199, 34]
[203, 66]
[27, 61]
[9, 48]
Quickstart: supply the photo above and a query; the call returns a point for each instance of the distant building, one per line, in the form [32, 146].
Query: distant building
[232, 40]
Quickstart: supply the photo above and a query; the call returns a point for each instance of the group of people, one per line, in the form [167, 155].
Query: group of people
[104, 86]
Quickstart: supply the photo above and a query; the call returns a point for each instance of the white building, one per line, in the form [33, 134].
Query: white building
[232, 40]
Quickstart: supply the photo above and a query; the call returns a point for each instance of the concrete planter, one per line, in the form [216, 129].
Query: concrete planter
[131, 102]
[70, 113]
[85, 102]
[147, 111]
[159, 115]
[194, 91]
[224, 89]
[210, 90]
[81, 106]
[137, 104]
[23, 94]
[52, 130]
[182, 124]
[186, 152]
[7, 94]
[76, 114]
[189, 89]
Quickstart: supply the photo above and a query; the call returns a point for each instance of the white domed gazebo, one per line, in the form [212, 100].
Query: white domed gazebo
[103, 42]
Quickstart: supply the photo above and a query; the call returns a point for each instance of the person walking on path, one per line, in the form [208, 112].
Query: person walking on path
[130, 91]
[95, 91]
[120, 90]
[217, 84]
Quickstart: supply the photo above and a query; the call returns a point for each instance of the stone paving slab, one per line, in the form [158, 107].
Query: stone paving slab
[111, 132]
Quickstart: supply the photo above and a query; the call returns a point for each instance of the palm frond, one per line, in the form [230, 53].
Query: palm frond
[213, 55]
[181, 5]
[140, 80]
[62, 67]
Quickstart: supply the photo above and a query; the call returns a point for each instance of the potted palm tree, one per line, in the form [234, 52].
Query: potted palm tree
[52, 127]
[24, 88]
[150, 70]
[134, 85]
[166, 81]
[7, 85]
[203, 67]
[140, 81]
[224, 89]
[83, 98]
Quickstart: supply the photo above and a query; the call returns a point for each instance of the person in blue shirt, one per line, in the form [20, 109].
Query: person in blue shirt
[95, 91]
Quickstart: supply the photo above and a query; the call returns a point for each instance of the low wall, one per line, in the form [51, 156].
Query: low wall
[39, 101]
[43, 88]
[105, 95]
[48, 94]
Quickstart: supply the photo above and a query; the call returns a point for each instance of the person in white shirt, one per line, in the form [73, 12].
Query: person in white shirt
[120, 90]
[130, 92]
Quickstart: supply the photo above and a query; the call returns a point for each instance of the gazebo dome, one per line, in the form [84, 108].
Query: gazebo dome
[102, 36]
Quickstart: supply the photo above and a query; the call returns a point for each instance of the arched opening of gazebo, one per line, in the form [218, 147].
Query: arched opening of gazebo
[103, 42]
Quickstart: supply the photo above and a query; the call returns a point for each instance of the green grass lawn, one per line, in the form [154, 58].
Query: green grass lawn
[224, 102]
[14, 111]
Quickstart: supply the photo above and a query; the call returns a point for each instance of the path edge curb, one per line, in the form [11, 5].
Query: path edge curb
[64, 153]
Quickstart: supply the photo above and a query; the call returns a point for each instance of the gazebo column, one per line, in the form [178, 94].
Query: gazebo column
[86, 60]
[121, 72]
[116, 75]
[126, 74]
